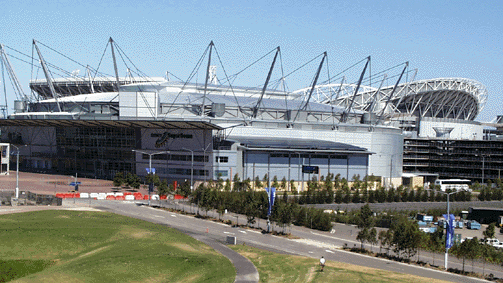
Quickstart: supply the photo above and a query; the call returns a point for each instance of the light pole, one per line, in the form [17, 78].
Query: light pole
[150, 164]
[191, 168]
[447, 227]
[17, 170]
[204, 157]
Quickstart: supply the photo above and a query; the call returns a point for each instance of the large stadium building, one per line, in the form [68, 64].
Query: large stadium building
[189, 131]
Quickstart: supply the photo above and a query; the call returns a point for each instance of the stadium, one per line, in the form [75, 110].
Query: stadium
[96, 126]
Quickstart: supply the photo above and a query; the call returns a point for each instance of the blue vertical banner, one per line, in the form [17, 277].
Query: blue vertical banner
[271, 195]
[449, 231]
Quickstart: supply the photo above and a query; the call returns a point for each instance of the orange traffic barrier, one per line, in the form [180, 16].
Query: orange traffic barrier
[180, 197]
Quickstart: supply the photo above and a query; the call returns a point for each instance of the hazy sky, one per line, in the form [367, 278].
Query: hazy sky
[439, 38]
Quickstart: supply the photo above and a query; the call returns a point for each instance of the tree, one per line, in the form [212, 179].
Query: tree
[365, 221]
[163, 188]
[490, 231]
[372, 238]
[275, 183]
[283, 214]
[227, 186]
[422, 242]
[338, 196]
[285, 197]
[118, 179]
[365, 217]
[265, 180]
[356, 196]
[436, 243]
[363, 236]
[283, 184]
[258, 183]
[391, 195]
[292, 187]
[404, 236]
[381, 237]
[184, 189]
[469, 249]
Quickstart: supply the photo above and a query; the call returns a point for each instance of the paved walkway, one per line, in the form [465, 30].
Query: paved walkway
[245, 270]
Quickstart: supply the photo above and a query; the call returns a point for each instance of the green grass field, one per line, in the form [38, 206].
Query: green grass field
[76, 246]
[274, 267]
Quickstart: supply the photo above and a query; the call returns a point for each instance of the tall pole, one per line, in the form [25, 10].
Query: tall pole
[191, 168]
[390, 170]
[149, 172]
[299, 168]
[17, 170]
[17, 175]
[447, 226]
[150, 164]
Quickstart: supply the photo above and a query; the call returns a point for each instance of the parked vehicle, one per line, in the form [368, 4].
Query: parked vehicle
[454, 185]
[493, 242]
[474, 225]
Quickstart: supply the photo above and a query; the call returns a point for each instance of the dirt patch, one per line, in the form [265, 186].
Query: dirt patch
[310, 275]
[185, 247]
[63, 216]
[127, 232]
[193, 278]
[93, 252]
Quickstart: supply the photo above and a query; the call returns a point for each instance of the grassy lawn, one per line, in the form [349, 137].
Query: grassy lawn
[274, 267]
[76, 246]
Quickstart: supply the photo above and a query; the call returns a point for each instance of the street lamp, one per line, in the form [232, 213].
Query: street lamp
[204, 157]
[150, 164]
[447, 226]
[191, 168]
[17, 171]
[302, 186]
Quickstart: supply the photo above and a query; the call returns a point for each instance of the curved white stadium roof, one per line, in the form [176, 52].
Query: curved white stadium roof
[457, 98]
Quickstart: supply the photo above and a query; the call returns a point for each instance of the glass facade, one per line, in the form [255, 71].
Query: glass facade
[95, 151]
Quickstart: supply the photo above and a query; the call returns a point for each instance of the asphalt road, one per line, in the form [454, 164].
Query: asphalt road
[310, 243]
[411, 205]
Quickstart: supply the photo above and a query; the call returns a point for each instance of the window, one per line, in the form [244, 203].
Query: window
[222, 159]
[221, 173]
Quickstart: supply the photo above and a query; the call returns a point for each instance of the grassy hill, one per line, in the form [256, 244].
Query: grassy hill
[76, 246]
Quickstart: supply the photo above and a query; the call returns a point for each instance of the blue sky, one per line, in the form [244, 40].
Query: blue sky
[439, 38]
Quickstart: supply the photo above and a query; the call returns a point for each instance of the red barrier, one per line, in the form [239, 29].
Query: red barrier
[128, 193]
[180, 197]
[77, 195]
[60, 195]
[111, 198]
[163, 197]
[138, 197]
[120, 198]
[69, 195]
[145, 197]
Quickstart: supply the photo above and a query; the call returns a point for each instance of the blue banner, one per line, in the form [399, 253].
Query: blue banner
[449, 230]
[271, 195]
